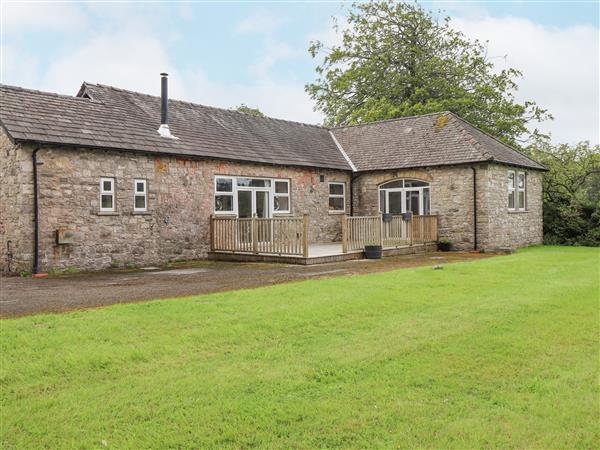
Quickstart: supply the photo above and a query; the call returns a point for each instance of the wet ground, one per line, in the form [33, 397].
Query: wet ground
[22, 296]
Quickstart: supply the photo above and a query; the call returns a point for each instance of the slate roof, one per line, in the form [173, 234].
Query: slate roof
[422, 141]
[114, 118]
[119, 119]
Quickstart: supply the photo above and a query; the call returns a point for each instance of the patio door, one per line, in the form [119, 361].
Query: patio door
[254, 202]
[394, 202]
[413, 202]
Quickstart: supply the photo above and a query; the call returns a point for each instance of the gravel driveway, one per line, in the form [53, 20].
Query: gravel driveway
[22, 296]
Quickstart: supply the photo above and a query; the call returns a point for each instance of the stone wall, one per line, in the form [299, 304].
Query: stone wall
[16, 207]
[510, 229]
[452, 200]
[451, 191]
[180, 202]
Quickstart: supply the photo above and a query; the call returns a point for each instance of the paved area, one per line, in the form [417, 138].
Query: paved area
[22, 296]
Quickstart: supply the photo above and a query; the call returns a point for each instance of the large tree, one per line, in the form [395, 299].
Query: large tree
[397, 60]
[571, 192]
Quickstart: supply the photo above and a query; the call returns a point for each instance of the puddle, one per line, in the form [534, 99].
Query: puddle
[179, 272]
[325, 272]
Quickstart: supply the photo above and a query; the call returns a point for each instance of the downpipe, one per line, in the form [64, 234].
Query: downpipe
[474, 208]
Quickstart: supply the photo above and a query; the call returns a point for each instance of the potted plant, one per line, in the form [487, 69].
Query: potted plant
[373, 251]
[444, 245]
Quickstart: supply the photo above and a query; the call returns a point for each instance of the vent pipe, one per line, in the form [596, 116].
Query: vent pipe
[164, 130]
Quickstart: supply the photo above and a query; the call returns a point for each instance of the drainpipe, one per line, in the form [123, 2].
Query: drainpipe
[474, 208]
[353, 177]
[36, 214]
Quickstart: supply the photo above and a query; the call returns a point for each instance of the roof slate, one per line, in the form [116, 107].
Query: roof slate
[118, 119]
[430, 140]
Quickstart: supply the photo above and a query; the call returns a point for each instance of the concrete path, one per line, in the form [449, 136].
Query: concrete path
[22, 296]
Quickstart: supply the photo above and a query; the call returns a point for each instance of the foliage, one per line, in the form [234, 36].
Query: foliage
[397, 60]
[571, 192]
[249, 110]
[495, 353]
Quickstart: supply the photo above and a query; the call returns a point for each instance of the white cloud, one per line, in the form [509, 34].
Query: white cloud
[16, 67]
[560, 69]
[131, 60]
[259, 23]
[282, 100]
[67, 17]
[271, 54]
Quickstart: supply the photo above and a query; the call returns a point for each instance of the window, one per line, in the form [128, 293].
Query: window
[281, 196]
[223, 195]
[337, 200]
[253, 182]
[140, 196]
[107, 194]
[400, 196]
[517, 191]
[511, 189]
[521, 191]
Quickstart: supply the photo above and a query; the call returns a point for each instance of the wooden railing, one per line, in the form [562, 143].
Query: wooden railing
[277, 235]
[359, 231]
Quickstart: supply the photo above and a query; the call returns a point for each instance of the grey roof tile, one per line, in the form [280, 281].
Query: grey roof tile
[120, 119]
[117, 118]
[429, 140]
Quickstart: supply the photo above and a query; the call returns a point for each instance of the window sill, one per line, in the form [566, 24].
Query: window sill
[336, 213]
[141, 213]
[107, 213]
[518, 211]
[282, 214]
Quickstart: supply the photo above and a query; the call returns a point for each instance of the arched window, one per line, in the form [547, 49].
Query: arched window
[400, 196]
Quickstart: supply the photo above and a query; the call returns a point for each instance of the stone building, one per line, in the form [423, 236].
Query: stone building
[114, 178]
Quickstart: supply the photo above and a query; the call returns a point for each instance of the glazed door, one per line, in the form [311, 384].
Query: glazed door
[394, 202]
[413, 202]
[253, 202]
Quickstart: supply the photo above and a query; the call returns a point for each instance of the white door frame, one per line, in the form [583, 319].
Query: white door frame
[403, 192]
[253, 191]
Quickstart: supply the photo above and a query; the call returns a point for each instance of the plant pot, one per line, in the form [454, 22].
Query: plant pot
[373, 251]
[444, 246]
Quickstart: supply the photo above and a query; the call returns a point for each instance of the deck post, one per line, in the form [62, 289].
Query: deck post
[344, 233]
[381, 230]
[212, 232]
[254, 229]
[305, 235]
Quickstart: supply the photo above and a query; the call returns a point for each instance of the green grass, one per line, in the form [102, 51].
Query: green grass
[500, 352]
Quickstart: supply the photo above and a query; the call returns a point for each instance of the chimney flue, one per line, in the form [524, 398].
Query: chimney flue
[164, 130]
[164, 99]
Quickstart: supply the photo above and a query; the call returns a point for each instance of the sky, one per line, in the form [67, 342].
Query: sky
[227, 53]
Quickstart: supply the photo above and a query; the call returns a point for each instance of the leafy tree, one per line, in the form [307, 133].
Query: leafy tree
[571, 192]
[397, 60]
[248, 110]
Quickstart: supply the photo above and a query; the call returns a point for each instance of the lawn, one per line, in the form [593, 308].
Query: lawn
[499, 352]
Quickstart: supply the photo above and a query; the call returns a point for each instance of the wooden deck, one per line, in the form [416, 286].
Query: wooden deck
[286, 239]
[318, 254]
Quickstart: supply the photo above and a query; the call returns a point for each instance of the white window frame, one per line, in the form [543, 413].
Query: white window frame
[110, 192]
[342, 196]
[279, 194]
[512, 190]
[523, 190]
[231, 193]
[403, 190]
[235, 189]
[137, 194]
